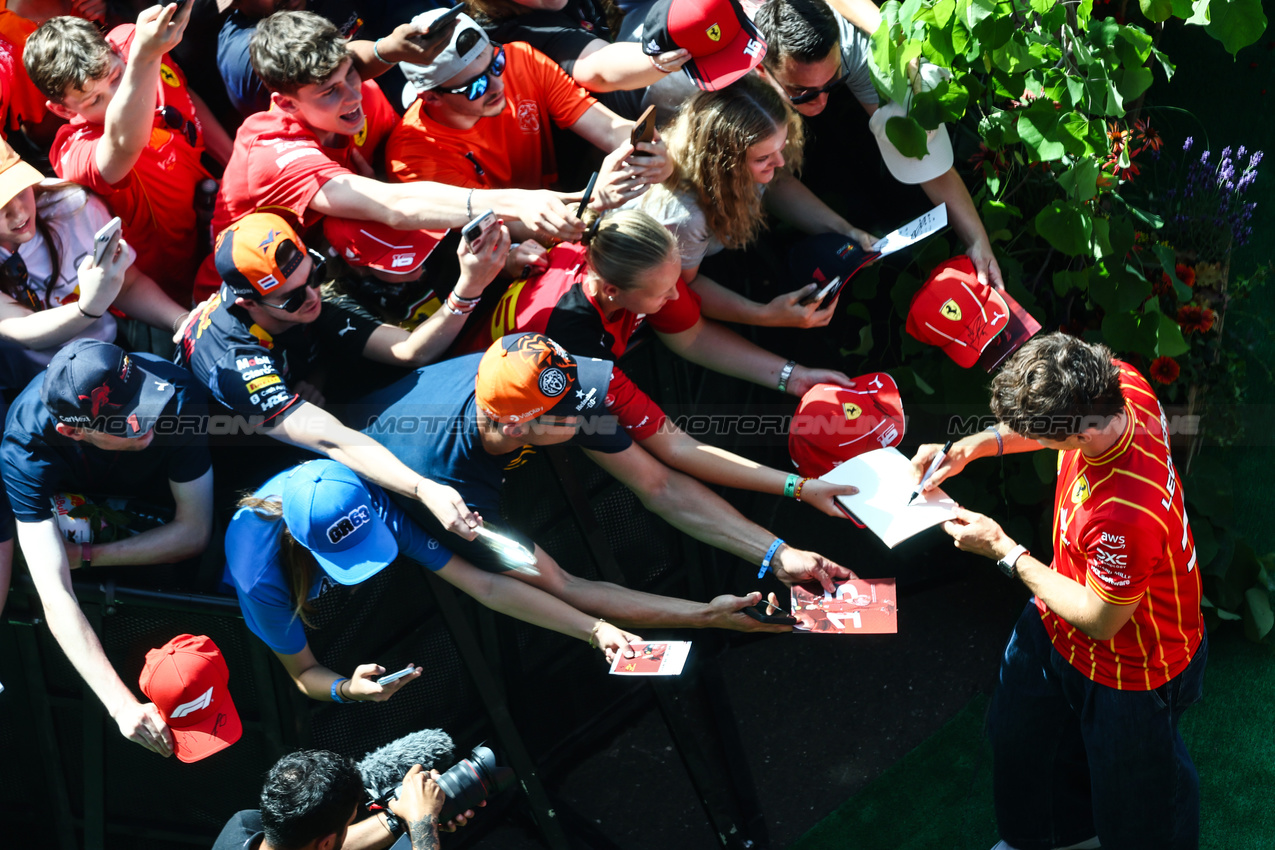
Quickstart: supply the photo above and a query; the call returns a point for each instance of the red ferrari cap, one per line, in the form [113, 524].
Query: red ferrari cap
[833, 424]
[379, 246]
[186, 679]
[723, 43]
[956, 312]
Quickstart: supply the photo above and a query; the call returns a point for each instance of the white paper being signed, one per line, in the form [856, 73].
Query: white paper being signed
[884, 479]
[912, 232]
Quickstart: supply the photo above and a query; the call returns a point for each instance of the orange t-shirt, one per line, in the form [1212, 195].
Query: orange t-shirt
[156, 199]
[20, 100]
[1120, 527]
[512, 150]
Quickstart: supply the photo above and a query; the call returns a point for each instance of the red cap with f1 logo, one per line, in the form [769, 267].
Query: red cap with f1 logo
[833, 423]
[956, 312]
[186, 679]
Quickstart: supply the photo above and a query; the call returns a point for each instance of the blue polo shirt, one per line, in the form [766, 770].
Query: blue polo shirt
[256, 572]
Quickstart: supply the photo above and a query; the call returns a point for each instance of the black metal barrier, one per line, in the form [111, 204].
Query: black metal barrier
[540, 699]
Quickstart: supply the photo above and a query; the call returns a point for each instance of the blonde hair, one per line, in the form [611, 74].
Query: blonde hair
[298, 562]
[625, 244]
[709, 141]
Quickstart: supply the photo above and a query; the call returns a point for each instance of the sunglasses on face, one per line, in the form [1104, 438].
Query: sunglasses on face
[180, 123]
[297, 297]
[811, 94]
[477, 87]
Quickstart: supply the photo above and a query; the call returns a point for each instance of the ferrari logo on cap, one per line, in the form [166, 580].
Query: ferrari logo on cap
[1080, 490]
[950, 310]
[852, 410]
[166, 74]
[714, 32]
[361, 136]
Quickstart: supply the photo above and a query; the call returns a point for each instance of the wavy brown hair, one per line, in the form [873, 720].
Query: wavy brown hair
[1057, 386]
[709, 141]
[297, 560]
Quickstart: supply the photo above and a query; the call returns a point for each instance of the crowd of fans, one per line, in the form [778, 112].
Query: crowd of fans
[290, 275]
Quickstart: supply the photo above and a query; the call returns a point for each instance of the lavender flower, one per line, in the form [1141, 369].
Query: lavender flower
[1190, 140]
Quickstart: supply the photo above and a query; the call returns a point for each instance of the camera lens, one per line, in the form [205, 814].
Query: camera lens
[470, 781]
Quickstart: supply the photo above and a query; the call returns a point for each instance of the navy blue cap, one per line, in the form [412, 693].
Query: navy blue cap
[329, 511]
[93, 384]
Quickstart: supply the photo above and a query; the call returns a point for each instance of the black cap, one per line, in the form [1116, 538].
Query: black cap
[93, 384]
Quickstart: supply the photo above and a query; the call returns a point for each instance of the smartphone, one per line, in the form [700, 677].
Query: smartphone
[644, 130]
[478, 228]
[588, 195]
[758, 613]
[826, 295]
[390, 678]
[439, 25]
[518, 557]
[103, 237]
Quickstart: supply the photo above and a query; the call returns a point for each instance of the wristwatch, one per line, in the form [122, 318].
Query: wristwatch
[1007, 564]
[86, 555]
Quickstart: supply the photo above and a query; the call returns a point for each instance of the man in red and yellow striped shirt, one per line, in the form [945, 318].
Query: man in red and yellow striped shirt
[1102, 665]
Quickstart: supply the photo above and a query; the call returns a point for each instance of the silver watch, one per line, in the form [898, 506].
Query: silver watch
[1007, 565]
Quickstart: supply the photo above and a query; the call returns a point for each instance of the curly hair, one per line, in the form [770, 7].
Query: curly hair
[709, 141]
[625, 244]
[64, 53]
[1057, 386]
[308, 795]
[294, 49]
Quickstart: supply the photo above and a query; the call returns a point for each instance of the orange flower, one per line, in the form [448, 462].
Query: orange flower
[1193, 319]
[1185, 273]
[1117, 137]
[1149, 138]
[1165, 370]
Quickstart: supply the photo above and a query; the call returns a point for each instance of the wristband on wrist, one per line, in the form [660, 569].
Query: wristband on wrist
[85, 313]
[392, 822]
[790, 485]
[786, 373]
[377, 53]
[770, 553]
[800, 485]
[657, 66]
[593, 633]
[469, 204]
[1009, 564]
[86, 555]
[1000, 441]
[335, 692]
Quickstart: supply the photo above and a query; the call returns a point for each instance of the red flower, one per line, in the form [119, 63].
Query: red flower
[1149, 138]
[993, 162]
[1193, 319]
[1162, 286]
[1185, 273]
[1165, 370]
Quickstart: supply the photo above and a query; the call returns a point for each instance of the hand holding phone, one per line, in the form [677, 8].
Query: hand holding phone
[643, 130]
[390, 678]
[439, 25]
[103, 237]
[588, 196]
[477, 230]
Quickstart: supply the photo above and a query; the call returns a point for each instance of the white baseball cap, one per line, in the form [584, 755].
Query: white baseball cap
[450, 62]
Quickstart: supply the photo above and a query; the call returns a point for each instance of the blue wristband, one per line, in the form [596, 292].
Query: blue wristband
[332, 691]
[770, 553]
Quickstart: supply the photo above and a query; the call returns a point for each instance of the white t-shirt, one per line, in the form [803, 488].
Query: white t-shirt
[73, 217]
[680, 212]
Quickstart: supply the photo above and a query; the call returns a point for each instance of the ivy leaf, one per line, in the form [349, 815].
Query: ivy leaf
[1066, 227]
[1081, 180]
[1117, 291]
[1168, 67]
[1199, 13]
[1074, 136]
[1132, 82]
[1169, 341]
[1235, 23]
[997, 215]
[1040, 7]
[1065, 281]
[1258, 617]
[1156, 10]
[1129, 332]
[907, 136]
[1036, 126]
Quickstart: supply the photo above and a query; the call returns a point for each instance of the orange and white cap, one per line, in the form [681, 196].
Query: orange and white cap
[186, 679]
[956, 312]
[833, 423]
[523, 376]
[255, 255]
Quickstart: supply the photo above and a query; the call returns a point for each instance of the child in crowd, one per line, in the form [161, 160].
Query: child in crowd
[136, 133]
[736, 153]
[51, 291]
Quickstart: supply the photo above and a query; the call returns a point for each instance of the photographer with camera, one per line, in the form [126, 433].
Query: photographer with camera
[311, 799]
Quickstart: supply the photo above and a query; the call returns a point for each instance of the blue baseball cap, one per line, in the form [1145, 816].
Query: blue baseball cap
[329, 511]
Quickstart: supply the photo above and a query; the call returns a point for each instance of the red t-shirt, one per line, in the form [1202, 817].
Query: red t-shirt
[556, 304]
[1120, 527]
[278, 165]
[20, 100]
[512, 150]
[156, 199]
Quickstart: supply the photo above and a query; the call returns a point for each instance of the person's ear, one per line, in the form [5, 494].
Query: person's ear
[431, 99]
[327, 842]
[69, 431]
[608, 290]
[284, 102]
[514, 430]
[59, 110]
